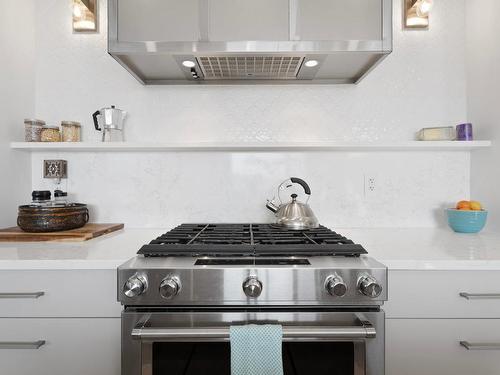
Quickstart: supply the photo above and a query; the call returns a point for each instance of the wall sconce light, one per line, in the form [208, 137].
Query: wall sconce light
[416, 13]
[85, 16]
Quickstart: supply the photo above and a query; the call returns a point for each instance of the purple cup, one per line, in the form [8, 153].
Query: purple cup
[464, 132]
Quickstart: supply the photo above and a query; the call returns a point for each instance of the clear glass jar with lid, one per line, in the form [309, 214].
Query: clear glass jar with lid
[60, 198]
[71, 131]
[51, 134]
[33, 130]
[41, 198]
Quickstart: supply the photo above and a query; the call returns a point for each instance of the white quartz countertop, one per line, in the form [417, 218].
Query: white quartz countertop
[397, 248]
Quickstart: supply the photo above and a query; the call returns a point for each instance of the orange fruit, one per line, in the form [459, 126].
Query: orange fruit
[476, 206]
[463, 205]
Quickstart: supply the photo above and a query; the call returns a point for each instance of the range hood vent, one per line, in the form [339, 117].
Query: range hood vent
[258, 42]
[250, 67]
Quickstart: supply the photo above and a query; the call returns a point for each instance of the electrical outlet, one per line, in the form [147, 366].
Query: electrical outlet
[370, 185]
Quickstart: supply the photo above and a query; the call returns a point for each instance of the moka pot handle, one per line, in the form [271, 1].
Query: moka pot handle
[94, 117]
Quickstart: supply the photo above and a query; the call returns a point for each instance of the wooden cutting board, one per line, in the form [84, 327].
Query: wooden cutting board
[89, 231]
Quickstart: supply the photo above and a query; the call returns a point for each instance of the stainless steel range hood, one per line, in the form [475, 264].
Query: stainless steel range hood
[249, 42]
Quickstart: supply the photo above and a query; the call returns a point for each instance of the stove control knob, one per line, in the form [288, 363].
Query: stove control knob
[170, 287]
[335, 286]
[369, 286]
[135, 286]
[252, 287]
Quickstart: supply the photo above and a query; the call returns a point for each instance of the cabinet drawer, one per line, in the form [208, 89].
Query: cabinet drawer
[436, 294]
[72, 346]
[432, 346]
[66, 293]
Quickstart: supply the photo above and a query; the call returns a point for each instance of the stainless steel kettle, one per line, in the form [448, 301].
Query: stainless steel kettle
[294, 214]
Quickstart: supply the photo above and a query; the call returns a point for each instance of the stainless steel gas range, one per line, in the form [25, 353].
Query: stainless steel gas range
[186, 288]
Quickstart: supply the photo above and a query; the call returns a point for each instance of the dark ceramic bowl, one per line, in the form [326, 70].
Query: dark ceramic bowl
[36, 219]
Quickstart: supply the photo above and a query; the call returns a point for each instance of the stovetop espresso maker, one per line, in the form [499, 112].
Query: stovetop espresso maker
[110, 121]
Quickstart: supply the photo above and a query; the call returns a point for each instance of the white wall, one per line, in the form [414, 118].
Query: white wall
[421, 84]
[17, 101]
[483, 80]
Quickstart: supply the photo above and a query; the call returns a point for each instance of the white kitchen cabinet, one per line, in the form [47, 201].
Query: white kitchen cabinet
[432, 346]
[436, 294]
[67, 293]
[72, 346]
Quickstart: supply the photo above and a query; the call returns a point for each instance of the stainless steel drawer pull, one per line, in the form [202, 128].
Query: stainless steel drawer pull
[21, 344]
[222, 333]
[480, 345]
[480, 295]
[33, 295]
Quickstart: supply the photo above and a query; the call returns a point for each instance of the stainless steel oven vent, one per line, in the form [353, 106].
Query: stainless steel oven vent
[250, 67]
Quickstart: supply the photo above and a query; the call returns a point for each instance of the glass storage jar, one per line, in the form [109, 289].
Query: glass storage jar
[60, 198]
[71, 131]
[41, 198]
[33, 130]
[51, 134]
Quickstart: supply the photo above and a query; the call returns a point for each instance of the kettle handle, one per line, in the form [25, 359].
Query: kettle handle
[302, 183]
[94, 117]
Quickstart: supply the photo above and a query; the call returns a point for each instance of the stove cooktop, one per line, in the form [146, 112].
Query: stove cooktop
[244, 240]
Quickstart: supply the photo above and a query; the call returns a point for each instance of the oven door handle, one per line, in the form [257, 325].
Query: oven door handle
[290, 333]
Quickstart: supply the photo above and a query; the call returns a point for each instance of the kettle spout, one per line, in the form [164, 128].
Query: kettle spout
[272, 206]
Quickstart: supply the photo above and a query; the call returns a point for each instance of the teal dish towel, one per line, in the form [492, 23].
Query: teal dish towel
[256, 350]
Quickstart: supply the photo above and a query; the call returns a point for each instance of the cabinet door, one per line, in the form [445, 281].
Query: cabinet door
[437, 294]
[432, 346]
[158, 20]
[336, 19]
[72, 346]
[232, 20]
[66, 293]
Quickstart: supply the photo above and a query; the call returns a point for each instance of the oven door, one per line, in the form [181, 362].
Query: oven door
[194, 342]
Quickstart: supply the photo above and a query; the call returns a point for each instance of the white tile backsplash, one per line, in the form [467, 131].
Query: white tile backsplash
[163, 189]
[421, 84]
[17, 101]
[483, 80]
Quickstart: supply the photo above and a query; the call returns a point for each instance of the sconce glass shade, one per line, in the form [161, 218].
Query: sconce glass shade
[424, 7]
[85, 16]
[416, 13]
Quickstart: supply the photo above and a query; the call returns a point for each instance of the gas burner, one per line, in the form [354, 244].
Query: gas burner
[249, 240]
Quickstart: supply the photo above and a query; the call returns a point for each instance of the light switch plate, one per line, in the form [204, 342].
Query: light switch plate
[55, 169]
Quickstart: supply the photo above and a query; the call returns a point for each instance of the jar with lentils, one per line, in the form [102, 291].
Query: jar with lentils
[71, 131]
[51, 134]
[33, 130]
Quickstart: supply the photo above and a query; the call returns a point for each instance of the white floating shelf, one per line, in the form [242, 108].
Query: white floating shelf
[254, 146]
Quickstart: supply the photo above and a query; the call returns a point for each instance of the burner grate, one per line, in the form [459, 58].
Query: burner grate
[249, 240]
